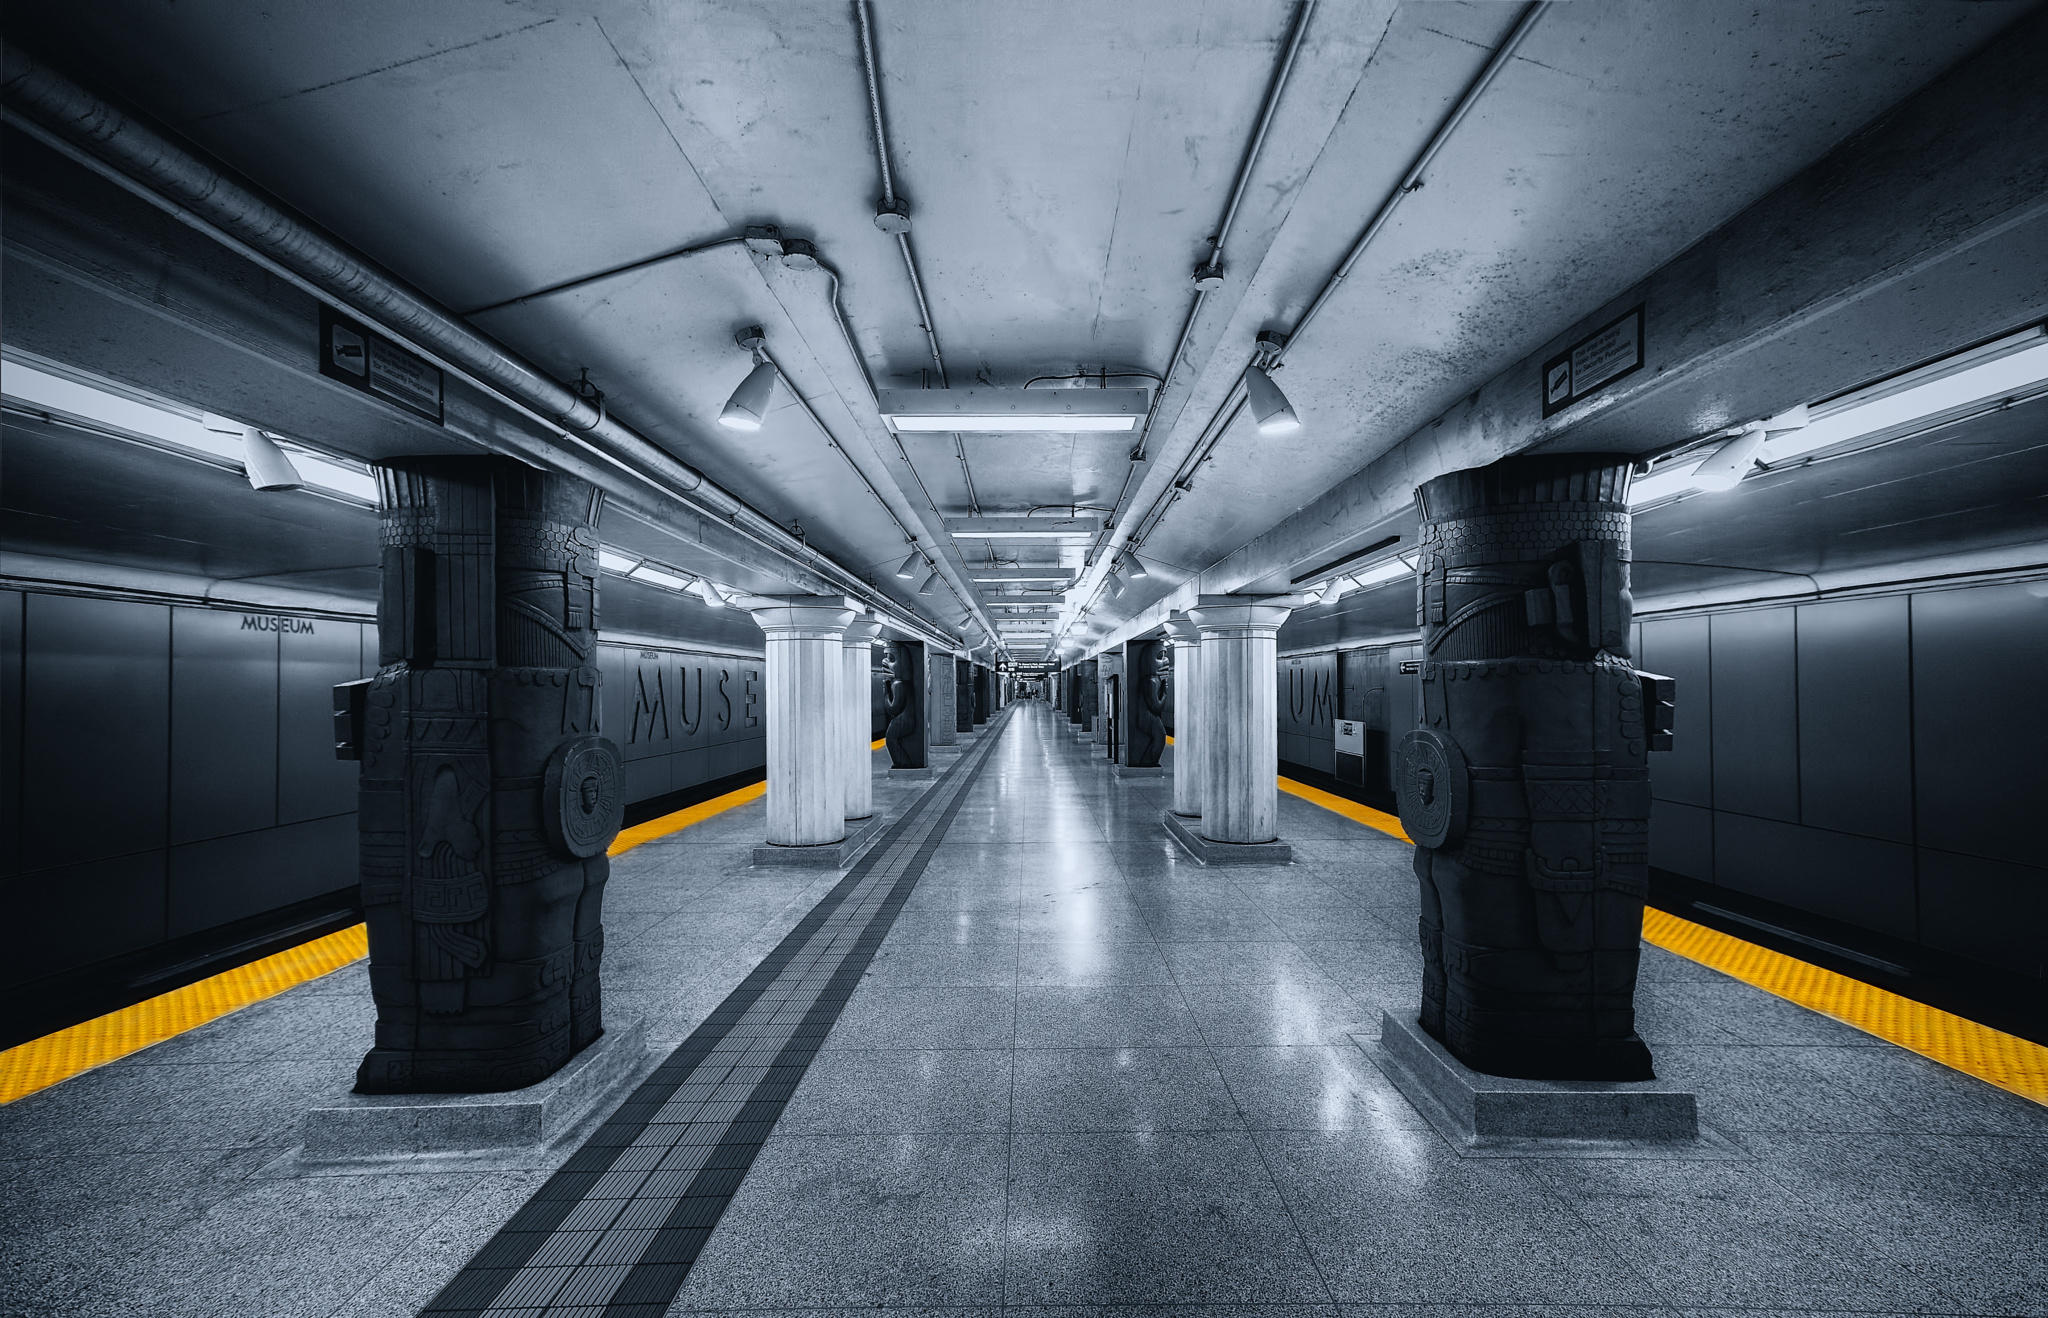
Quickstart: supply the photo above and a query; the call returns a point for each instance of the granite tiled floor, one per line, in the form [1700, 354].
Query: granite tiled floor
[1081, 1072]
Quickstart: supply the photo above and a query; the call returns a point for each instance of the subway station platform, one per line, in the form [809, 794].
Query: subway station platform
[1027, 1056]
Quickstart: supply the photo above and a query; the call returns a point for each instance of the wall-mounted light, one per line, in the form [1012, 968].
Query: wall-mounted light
[1725, 467]
[748, 405]
[709, 593]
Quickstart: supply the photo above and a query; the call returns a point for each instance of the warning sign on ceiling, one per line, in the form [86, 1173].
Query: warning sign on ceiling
[363, 359]
[1594, 362]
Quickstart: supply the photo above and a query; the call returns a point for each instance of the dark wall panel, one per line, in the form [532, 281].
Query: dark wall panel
[10, 731]
[232, 878]
[1987, 910]
[1980, 727]
[1855, 718]
[64, 918]
[223, 723]
[1858, 880]
[1677, 648]
[1755, 714]
[96, 734]
[1682, 839]
[311, 783]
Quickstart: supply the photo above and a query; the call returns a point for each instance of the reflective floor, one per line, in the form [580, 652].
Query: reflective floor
[1079, 1071]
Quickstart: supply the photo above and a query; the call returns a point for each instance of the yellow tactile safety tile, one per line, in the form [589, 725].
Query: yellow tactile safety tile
[40, 1063]
[43, 1062]
[1993, 1056]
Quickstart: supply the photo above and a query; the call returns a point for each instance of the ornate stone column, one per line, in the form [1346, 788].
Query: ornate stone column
[939, 686]
[487, 794]
[1526, 789]
[1240, 728]
[805, 718]
[1186, 641]
[857, 663]
[903, 666]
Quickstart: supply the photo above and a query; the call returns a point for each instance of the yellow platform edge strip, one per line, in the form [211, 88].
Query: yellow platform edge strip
[1993, 1056]
[40, 1063]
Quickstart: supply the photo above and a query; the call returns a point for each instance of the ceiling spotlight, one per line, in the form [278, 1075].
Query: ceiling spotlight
[931, 583]
[749, 403]
[1271, 411]
[707, 592]
[1134, 568]
[265, 463]
[1728, 464]
[1116, 585]
[1338, 588]
[908, 567]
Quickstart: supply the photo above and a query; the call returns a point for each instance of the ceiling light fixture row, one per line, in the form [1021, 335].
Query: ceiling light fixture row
[662, 576]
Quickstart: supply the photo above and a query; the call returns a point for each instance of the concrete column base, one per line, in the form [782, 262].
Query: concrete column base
[374, 1128]
[1502, 1117]
[1136, 771]
[826, 855]
[1224, 853]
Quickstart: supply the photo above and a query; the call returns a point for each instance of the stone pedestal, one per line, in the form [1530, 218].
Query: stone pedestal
[487, 796]
[1239, 714]
[1182, 635]
[806, 719]
[1503, 1117]
[857, 657]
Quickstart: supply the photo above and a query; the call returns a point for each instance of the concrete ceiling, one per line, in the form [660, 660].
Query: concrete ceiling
[1065, 164]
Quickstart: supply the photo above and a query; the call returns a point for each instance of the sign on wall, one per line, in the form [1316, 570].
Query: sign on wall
[363, 359]
[1594, 362]
[1350, 737]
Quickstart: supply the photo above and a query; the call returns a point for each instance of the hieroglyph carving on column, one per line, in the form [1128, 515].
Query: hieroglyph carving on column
[903, 703]
[1527, 787]
[487, 796]
[1148, 680]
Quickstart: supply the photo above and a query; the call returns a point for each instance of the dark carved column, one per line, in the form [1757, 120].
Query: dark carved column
[1148, 665]
[903, 680]
[487, 795]
[963, 695]
[1526, 789]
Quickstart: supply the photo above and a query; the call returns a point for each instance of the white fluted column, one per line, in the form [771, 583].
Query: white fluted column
[856, 697]
[1240, 714]
[1186, 641]
[806, 715]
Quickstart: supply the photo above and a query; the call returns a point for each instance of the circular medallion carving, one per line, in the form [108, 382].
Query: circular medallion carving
[1432, 788]
[582, 804]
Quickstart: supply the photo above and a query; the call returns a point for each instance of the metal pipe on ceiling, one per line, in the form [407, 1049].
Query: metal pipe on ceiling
[1411, 181]
[889, 203]
[174, 178]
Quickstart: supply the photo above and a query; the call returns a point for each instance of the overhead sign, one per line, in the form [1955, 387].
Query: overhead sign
[1411, 665]
[1350, 737]
[363, 359]
[1594, 362]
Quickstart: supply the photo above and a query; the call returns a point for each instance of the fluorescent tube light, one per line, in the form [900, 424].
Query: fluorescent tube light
[999, 411]
[615, 562]
[2016, 364]
[654, 576]
[1023, 528]
[1388, 570]
[1062, 578]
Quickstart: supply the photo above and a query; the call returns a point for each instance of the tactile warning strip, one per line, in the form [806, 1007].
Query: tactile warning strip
[616, 1230]
[1993, 1056]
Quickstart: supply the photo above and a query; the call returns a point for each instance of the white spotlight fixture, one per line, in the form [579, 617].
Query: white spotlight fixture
[909, 566]
[265, 463]
[748, 405]
[1116, 585]
[707, 592]
[1271, 411]
[1134, 568]
[931, 583]
[1725, 467]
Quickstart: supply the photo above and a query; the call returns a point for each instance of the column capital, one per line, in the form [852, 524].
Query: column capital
[1245, 615]
[861, 632]
[802, 617]
[1181, 630]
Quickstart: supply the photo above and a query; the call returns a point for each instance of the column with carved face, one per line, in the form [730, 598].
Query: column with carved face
[1526, 789]
[488, 793]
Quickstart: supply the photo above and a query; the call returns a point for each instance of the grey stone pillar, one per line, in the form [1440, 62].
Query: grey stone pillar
[857, 664]
[1186, 641]
[903, 668]
[488, 795]
[1240, 714]
[806, 715]
[940, 729]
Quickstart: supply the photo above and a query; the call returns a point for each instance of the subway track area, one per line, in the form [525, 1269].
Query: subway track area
[1026, 1055]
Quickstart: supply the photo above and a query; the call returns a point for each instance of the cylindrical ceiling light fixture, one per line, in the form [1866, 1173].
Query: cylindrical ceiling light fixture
[1271, 411]
[1728, 464]
[1134, 568]
[931, 583]
[748, 405]
[707, 592]
[909, 566]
